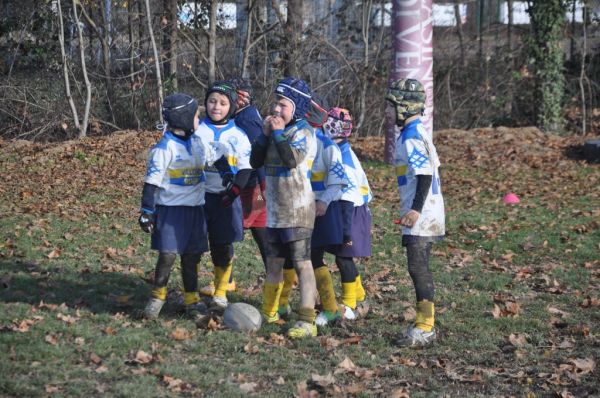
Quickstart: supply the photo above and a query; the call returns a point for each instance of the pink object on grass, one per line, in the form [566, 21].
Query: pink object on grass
[510, 199]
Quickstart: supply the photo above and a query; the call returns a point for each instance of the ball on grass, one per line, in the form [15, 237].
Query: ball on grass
[242, 317]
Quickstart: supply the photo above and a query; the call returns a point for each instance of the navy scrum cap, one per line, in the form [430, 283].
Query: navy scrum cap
[179, 110]
[298, 92]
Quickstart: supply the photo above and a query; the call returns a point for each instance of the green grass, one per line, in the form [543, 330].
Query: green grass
[534, 254]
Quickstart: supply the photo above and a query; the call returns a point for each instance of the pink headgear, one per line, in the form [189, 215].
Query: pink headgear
[338, 124]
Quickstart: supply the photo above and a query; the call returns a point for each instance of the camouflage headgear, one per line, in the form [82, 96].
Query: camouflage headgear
[339, 123]
[408, 96]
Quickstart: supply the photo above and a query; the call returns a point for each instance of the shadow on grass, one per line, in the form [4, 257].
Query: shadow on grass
[97, 292]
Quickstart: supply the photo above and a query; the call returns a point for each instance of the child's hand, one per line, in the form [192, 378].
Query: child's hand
[321, 208]
[410, 218]
[267, 126]
[277, 123]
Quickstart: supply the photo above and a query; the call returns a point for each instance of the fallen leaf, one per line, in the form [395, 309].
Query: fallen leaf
[583, 366]
[517, 339]
[50, 388]
[95, 358]
[346, 364]
[248, 388]
[142, 357]
[181, 334]
[401, 392]
[54, 253]
[409, 314]
[251, 348]
[66, 318]
[50, 339]
[323, 381]
[556, 311]
[109, 331]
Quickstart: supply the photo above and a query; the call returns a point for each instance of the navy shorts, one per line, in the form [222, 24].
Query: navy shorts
[329, 228]
[180, 229]
[224, 224]
[289, 243]
[360, 233]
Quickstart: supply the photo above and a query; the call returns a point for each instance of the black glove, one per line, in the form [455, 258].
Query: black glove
[229, 195]
[227, 179]
[146, 222]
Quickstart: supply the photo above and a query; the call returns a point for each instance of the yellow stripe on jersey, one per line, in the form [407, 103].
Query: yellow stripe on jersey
[364, 190]
[185, 172]
[232, 160]
[318, 176]
[401, 170]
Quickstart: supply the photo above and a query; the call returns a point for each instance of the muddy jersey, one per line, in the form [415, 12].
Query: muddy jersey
[328, 177]
[290, 199]
[176, 167]
[358, 190]
[416, 155]
[238, 147]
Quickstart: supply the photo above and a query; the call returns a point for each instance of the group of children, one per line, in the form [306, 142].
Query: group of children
[300, 189]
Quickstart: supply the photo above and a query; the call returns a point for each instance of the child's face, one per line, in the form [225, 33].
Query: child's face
[217, 106]
[390, 111]
[284, 109]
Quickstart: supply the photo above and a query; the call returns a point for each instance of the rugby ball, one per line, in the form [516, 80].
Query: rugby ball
[242, 317]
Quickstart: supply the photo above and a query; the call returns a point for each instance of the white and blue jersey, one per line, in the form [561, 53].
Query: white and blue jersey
[416, 155]
[238, 147]
[176, 167]
[290, 199]
[358, 190]
[327, 175]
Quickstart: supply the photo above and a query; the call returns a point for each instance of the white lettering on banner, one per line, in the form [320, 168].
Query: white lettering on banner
[413, 52]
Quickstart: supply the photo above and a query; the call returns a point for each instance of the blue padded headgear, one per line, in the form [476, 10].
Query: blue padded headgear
[298, 92]
[178, 111]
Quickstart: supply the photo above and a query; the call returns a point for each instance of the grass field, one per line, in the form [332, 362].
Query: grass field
[517, 287]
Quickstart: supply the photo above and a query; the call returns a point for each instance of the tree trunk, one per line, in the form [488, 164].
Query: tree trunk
[293, 30]
[132, 78]
[170, 42]
[547, 21]
[212, 42]
[582, 75]
[88, 86]
[459, 32]
[61, 39]
[156, 60]
[102, 36]
[106, 56]
[366, 8]
[511, 61]
[241, 32]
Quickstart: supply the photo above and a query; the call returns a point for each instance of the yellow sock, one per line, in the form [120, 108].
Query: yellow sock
[160, 293]
[307, 314]
[271, 293]
[222, 280]
[361, 295]
[190, 298]
[425, 315]
[349, 294]
[325, 289]
[289, 275]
